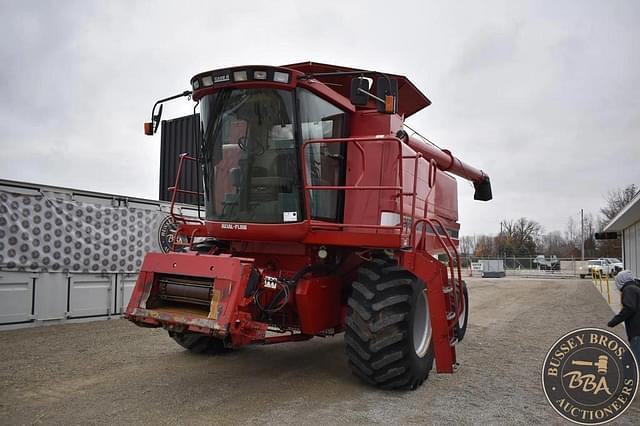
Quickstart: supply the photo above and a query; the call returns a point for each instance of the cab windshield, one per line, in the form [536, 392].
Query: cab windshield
[250, 168]
[250, 155]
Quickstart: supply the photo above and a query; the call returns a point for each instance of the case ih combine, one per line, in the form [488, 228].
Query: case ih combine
[321, 215]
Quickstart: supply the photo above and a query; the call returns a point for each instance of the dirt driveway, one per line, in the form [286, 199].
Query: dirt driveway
[109, 372]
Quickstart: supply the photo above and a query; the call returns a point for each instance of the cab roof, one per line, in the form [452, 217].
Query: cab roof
[410, 98]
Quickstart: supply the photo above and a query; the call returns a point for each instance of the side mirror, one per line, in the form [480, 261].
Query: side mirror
[359, 91]
[387, 91]
[151, 128]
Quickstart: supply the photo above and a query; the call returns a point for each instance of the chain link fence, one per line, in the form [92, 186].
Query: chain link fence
[528, 266]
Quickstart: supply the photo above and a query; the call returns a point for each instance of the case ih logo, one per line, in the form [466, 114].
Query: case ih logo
[590, 376]
[220, 78]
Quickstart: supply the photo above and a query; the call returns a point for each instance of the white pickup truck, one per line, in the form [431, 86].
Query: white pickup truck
[601, 265]
[615, 264]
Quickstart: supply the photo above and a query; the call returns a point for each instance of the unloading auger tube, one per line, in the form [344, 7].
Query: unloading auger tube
[447, 162]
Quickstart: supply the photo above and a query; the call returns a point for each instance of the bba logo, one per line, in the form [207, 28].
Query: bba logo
[166, 233]
[590, 376]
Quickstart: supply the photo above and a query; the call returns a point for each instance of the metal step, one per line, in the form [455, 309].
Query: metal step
[450, 315]
[447, 290]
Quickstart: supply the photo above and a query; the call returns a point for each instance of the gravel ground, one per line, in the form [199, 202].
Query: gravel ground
[109, 372]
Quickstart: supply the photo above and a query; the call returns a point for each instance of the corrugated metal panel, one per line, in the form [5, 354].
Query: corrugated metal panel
[51, 296]
[38, 298]
[631, 251]
[53, 238]
[632, 260]
[90, 295]
[179, 136]
[16, 297]
[126, 282]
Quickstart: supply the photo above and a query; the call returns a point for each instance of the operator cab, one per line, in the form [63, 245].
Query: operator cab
[263, 161]
[253, 123]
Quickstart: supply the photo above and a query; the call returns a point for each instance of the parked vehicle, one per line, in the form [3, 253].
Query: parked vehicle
[544, 264]
[596, 265]
[615, 264]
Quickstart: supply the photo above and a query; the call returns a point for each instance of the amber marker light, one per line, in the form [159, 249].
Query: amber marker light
[389, 103]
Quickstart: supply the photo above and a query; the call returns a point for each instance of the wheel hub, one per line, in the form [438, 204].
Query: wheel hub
[421, 325]
[462, 315]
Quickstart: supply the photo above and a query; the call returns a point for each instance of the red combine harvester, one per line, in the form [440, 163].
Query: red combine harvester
[321, 215]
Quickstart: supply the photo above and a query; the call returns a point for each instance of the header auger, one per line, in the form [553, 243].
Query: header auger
[321, 215]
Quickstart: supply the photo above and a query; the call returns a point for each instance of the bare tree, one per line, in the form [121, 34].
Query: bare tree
[616, 200]
[467, 244]
[485, 246]
[523, 235]
[554, 243]
[590, 227]
[572, 233]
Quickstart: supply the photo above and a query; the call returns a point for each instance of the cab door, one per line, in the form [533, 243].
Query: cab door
[325, 162]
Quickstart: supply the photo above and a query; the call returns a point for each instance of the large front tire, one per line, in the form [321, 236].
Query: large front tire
[388, 333]
[198, 343]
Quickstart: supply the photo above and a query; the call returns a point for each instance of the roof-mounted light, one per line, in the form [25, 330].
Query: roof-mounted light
[207, 81]
[281, 77]
[240, 75]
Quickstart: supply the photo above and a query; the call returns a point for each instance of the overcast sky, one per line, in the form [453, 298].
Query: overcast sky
[544, 96]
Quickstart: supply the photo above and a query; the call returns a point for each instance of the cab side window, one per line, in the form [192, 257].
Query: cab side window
[325, 161]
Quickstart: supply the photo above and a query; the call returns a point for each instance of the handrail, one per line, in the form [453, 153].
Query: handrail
[438, 237]
[175, 189]
[457, 283]
[414, 189]
[427, 221]
[450, 241]
[399, 189]
[190, 238]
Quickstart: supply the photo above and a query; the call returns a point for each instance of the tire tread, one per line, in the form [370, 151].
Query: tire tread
[377, 326]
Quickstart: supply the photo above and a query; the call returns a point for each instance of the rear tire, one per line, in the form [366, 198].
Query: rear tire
[388, 333]
[198, 343]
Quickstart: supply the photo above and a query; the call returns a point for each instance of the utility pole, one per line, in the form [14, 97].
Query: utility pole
[501, 241]
[582, 230]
